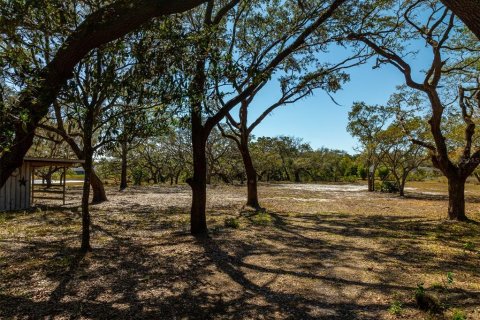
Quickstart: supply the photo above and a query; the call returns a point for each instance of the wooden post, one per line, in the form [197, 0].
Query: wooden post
[33, 184]
[64, 182]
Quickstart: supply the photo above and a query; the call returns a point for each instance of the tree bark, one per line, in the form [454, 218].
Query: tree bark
[48, 178]
[107, 24]
[198, 220]
[177, 176]
[468, 11]
[456, 198]
[401, 186]
[99, 194]
[370, 177]
[252, 191]
[85, 206]
[123, 178]
[88, 155]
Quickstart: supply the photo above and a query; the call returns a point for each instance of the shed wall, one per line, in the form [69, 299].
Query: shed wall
[15, 194]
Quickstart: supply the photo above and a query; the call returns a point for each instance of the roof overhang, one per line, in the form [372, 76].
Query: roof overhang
[46, 162]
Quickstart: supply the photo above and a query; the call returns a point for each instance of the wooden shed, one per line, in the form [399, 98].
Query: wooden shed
[19, 192]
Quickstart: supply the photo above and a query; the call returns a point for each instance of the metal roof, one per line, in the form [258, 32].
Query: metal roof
[43, 162]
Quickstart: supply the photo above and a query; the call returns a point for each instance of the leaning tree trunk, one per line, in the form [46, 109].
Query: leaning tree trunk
[252, 191]
[198, 220]
[456, 198]
[99, 194]
[123, 179]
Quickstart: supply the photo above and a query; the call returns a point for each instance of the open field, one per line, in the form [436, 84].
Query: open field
[319, 252]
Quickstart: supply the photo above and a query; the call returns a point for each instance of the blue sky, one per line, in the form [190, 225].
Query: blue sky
[321, 122]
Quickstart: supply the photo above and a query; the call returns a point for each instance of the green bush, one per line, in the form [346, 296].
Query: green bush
[396, 308]
[137, 175]
[232, 223]
[350, 179]
[458, 315]
[389, 187]
[363, 173]
[469, 246]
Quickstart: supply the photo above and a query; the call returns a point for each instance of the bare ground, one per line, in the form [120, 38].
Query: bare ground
[320, 252]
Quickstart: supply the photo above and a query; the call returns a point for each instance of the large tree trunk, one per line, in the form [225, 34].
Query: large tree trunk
[123, 178]
[107, 24]
[456, 198]
[468, 11]
[99, 194]
[252, 192]
[198, 220]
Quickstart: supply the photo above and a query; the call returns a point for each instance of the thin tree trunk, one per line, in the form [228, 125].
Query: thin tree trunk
[401, 186]
[252, 191]
[123, 180]
[88, 156]
[456, 198]
[177, 176]
[85, 208]
[297, 176]
[48, 178]
[370, 177]
[198, 220]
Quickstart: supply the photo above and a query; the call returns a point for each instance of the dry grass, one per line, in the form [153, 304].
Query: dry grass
[320, 252]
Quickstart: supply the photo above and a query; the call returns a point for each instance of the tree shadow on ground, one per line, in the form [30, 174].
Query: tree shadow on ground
[301, 266]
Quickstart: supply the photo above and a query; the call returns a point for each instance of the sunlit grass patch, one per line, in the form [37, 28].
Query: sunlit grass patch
[262, 218]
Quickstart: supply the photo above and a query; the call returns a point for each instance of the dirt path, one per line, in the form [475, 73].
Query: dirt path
[320, 252]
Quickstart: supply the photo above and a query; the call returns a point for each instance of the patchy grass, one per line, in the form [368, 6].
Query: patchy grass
[317, 252]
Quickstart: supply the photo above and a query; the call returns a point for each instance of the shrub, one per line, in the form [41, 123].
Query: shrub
[469, 246]
[137, 175]
[396, 308]
[458, 315]
[350, 179]
[232, 223]
[363, 173]
[389, 187]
